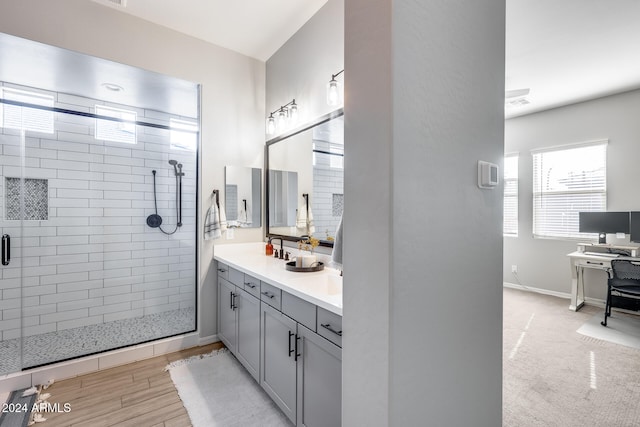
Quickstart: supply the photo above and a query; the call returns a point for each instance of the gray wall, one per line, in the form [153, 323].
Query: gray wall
[232, 96]
[422, 260]
[303, 66]
[542, 263]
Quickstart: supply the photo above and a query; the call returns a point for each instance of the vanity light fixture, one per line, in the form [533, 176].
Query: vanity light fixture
[286, 115]
[334, 90]
[271, 125]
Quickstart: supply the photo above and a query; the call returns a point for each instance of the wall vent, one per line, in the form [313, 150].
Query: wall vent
[113, 3]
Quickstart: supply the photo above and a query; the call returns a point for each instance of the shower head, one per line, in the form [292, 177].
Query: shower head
[174, 163]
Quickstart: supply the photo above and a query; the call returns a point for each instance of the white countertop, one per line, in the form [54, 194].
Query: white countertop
[322, 288]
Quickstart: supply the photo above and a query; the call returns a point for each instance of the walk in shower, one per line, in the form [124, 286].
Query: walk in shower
[98, 218]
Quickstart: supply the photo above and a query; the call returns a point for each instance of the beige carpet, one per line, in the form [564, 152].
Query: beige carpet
[554, 376]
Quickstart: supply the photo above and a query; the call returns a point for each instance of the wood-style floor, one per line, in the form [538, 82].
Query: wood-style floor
[137, 394]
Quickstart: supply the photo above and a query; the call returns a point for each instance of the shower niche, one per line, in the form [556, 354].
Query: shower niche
[80, 178]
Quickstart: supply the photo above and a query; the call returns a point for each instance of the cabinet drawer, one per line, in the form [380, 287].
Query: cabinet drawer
[330, 326]
[223, 270]
[299, 310]
[271, 295]
[236, 277]
[252, 285]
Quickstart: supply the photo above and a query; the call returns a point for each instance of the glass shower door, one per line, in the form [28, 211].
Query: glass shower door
[12, 143]
[98, 226]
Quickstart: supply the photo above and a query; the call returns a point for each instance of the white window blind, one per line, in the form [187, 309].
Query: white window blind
[114, 130]
[568, 180]
[184, 135]
[27, 118]
[510, 222]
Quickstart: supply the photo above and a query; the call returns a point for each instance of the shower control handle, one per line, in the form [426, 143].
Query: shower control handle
[6, 249]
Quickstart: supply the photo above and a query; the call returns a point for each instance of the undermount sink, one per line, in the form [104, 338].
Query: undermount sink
[329, 284]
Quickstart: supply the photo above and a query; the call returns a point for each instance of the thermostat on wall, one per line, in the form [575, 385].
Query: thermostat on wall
[487, 174]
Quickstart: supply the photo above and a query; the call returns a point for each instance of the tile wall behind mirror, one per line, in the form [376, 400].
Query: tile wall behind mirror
[242, 196]
[309, 162]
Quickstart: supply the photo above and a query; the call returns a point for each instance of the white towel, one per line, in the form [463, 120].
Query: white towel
[304, 219]
[244, 218]
[336, 253]
[215, 222]
[223, 218]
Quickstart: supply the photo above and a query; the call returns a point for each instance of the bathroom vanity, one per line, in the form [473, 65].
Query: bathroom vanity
[285, 328]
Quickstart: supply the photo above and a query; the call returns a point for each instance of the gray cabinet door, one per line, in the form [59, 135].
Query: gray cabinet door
[319, 381]
[227, 327]
[248, 349]
[278, 355]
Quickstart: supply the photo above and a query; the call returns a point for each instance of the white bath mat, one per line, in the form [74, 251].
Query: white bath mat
[217, 391]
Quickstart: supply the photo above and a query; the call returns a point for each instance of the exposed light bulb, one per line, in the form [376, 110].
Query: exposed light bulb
[333, 93]
[293, 113]
[271, 125]
[282, 120]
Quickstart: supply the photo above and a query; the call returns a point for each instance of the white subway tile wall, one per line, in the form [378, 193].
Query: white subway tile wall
[94, 260]
[328, 189]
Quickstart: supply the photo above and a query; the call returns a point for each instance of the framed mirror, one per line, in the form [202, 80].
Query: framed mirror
[242, 198]
[305, 180]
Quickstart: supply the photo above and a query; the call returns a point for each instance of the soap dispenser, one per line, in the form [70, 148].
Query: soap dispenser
[268, 250]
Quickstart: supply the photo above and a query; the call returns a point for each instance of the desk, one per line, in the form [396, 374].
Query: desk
[580, 261]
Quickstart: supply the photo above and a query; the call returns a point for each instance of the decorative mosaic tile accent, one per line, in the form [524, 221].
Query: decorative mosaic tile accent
[337, 205]
[36, 199]
[231, 202]
[76, 342]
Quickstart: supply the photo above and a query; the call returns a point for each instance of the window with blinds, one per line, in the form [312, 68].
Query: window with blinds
[121, 130]
[183, 135]
[568, 180]
[510, 222]
[19, 115]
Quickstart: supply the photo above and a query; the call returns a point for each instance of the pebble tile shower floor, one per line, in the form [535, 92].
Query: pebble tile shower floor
[76, 342]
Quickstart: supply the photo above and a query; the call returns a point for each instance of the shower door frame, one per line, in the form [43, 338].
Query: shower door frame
[21, 249]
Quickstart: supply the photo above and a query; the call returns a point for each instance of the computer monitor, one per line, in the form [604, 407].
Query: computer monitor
[603, 223]
[634, 227]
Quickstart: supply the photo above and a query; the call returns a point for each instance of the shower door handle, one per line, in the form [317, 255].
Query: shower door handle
[6, 249]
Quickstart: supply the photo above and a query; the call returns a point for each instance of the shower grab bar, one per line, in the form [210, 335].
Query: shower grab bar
[6, 249]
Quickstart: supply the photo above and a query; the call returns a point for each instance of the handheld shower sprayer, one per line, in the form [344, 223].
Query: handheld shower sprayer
[174, 163]
[154, 220]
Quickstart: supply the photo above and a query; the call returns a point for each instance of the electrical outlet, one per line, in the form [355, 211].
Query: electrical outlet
[514, 268]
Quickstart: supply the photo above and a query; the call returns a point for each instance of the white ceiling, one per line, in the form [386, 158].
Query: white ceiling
[564, 51]
[255, 28]
[568, 51]
[42, 66]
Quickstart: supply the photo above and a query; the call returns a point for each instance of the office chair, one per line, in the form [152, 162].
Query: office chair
[623, 282]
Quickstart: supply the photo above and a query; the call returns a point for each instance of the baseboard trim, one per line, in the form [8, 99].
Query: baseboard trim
[208, 340]
[565, 295]
[98, 362]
